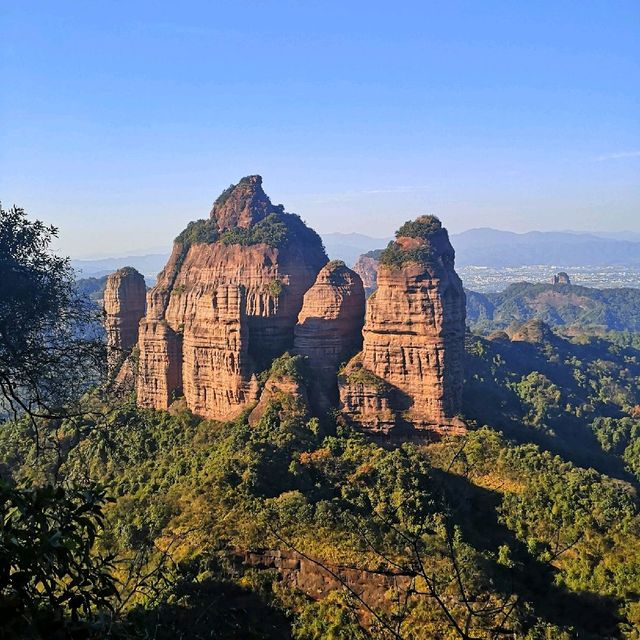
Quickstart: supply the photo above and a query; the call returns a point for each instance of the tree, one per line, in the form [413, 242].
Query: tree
[51, 347]
[51, 579]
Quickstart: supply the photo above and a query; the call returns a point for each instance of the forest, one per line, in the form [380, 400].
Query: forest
[121, 522]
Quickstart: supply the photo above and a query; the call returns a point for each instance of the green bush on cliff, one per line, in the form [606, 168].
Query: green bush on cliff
[396, 257]
[287, 366]
[421, 227]
[198, 232]
[276, 230]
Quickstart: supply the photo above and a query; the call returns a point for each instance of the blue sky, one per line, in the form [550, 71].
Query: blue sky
[121, 121]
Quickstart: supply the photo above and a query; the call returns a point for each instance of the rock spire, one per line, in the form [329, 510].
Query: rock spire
[410, 371]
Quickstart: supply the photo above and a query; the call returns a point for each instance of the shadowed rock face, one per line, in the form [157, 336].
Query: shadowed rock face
[366, 267]
[413, 339]
[124, 306]
[329, 329]
[228, 301]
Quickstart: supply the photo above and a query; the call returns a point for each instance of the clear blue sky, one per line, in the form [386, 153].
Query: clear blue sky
[121, 121]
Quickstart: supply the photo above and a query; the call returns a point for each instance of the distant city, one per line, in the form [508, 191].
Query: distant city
[489, 279]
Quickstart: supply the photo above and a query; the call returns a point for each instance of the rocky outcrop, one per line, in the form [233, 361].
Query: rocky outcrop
[124, 306]
[366, 267]
[413, 335]
[159, 379]
[329, 329]
[366, 399]
[533, 331]
[242, 205]
[217, 375]
[286, 393]
[376, 589]
[561, 278]
[227, 303]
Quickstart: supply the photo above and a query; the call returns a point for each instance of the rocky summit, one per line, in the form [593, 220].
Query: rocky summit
[124, 306]
[226, 303]
[329, 329]
[410, 371]
[252, 282]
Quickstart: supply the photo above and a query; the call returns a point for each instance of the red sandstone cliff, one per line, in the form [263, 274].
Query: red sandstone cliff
[329, 329]
[124, 306]
[410, 370]
[226, 303]
[366, 267]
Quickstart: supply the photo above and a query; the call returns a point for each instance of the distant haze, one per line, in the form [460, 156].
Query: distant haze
[479, 247]
[121, 122]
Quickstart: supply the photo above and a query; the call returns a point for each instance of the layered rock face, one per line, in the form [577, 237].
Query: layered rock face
[413, 336]
[124, 306]
[226, 303]
[329, 329]
[366, 267]
[159, 379]
[217, 375]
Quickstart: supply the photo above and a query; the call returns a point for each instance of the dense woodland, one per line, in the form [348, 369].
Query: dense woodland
[562, 305]
[127, 523]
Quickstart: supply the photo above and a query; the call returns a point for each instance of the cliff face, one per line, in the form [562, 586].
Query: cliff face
[242, 205]
[366, 267]
[124, 306]
[228, 300]
[329, 329]
[413, 336]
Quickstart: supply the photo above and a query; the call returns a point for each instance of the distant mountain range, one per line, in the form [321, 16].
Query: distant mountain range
[350, 246]
[493, 248]
[480, 247]
[148, 265]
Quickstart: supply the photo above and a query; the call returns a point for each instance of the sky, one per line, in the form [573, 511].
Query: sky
[122, 121]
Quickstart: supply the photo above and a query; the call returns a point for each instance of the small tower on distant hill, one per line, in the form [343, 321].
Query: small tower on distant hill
[561, 278]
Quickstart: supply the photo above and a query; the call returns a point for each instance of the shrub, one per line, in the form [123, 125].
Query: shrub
[395, 256]
[421, 227]
[198, 232]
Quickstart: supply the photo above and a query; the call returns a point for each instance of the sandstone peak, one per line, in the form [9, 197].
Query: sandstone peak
[329, 328]
[561, 278]
[366, 267]
[413, 336]
[124, 306]
[226, 303]
[242, 205]
[420, 241]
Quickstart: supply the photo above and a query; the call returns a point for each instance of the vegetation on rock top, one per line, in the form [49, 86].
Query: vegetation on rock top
[422, 228]
[198, 232]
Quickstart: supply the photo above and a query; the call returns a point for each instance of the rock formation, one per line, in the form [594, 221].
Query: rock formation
[124, 306]
[410, 370]
[287, 393]
[366, 267]
[329, 329]
[561, 278]
[534, 331]
[226, 303]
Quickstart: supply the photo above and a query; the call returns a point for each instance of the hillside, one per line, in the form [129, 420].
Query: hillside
[557, 304]
[227, 525]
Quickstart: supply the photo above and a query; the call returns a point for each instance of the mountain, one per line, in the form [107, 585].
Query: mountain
[339, 246]
[555, 304]
[349, 246]
[494, 248]
[148, 265]
[499, 249]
